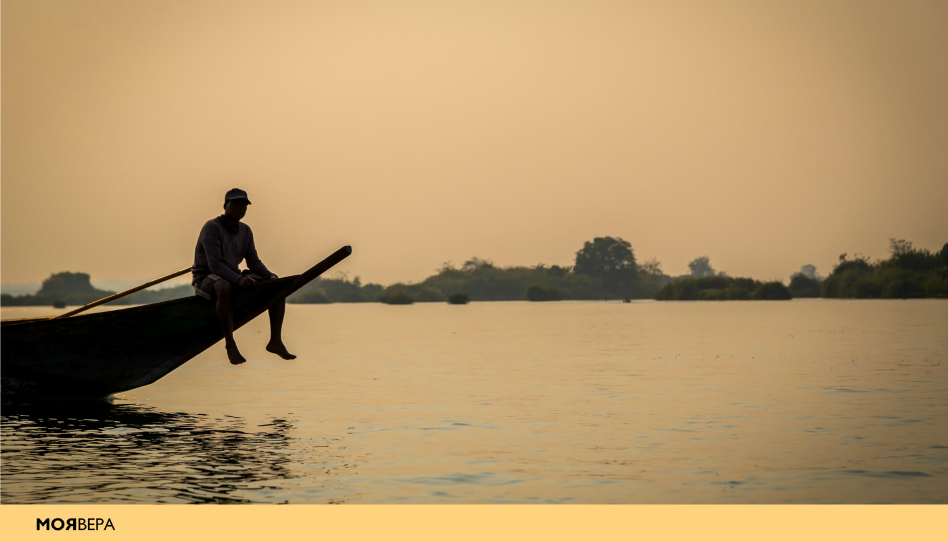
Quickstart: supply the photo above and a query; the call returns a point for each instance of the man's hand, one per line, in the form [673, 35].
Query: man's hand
[245, 282]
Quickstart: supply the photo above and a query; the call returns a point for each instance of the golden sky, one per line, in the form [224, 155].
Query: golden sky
[763, 134]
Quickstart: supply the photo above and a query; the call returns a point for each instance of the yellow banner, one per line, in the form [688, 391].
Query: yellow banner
[734, 523]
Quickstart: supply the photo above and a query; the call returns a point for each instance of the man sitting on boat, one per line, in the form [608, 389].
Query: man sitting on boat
[224, 242]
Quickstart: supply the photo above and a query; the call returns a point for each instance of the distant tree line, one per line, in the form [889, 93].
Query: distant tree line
[69, 288]
[722, 288]
[706, 284]
[604, 268]
[908, 272]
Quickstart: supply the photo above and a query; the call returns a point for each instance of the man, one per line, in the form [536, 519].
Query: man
[223, 243]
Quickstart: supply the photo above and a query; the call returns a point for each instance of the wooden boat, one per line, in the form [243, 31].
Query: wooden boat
[95, 355]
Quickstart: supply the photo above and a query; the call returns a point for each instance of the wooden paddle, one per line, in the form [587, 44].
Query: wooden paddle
[125, 293]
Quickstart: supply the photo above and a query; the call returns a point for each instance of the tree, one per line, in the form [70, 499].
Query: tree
[808, 271]
[476, 263]
[68, 283]
[610, 259]
[652, 267]
[557, 271]
[701, 267]
[804, 286]
[899, 247]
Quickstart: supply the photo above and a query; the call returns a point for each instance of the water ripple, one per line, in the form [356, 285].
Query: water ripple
[133, 453]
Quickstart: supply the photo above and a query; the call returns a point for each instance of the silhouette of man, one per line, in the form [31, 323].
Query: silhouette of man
[223, 243]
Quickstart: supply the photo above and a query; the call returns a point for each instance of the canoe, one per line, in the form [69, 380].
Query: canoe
[96, 355]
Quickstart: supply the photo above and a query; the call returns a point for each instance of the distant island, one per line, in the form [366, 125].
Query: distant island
[605, 268]
[69, 288]
[909, 272]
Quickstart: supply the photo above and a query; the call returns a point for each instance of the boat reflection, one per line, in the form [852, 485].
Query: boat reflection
[93, 452]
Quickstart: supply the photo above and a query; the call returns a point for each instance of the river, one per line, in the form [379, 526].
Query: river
[805, 401]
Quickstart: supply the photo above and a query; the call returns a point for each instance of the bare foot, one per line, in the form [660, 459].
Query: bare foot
[280, 350]
[234, 355]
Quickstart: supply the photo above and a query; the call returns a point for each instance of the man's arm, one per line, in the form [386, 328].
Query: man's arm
[210, 238]
[253, 260]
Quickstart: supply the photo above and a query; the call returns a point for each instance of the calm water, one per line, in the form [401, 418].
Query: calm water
[808, 401]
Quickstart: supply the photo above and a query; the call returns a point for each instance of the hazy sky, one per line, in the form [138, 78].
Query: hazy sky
[763, 134]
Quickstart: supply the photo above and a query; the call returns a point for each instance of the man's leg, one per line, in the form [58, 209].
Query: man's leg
[277, 312]
[225, 315]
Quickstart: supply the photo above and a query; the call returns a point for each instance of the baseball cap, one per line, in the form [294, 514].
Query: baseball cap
[236, 193]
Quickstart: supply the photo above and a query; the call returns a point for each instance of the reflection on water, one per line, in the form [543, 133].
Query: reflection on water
[89, 452]
[823, 401]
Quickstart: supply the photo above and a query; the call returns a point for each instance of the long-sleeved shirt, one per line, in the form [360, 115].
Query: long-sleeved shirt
[220, 250]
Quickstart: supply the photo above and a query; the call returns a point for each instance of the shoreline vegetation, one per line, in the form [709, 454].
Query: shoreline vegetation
[69, 288]
[605, 268]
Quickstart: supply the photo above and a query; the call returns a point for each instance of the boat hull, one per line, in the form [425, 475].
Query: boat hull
[96, 355]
